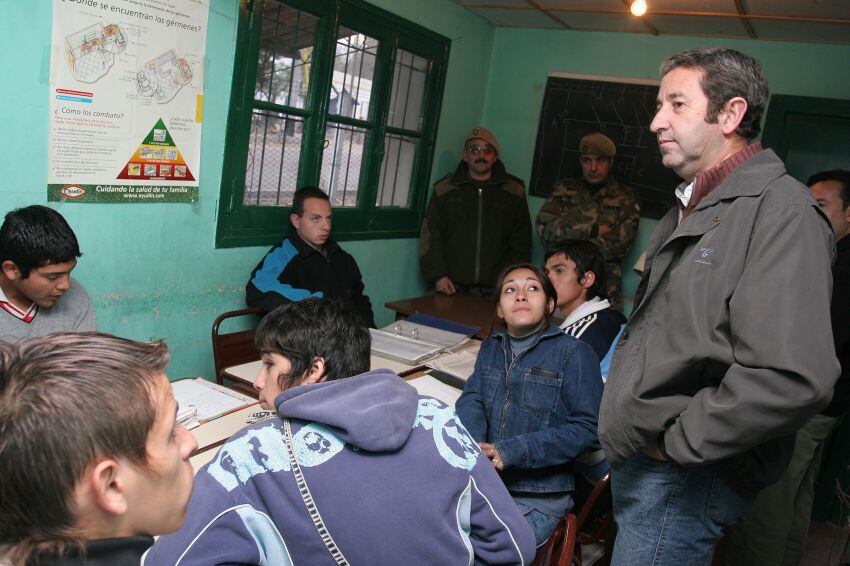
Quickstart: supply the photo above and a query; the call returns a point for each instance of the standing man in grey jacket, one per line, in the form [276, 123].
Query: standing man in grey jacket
[729, 349]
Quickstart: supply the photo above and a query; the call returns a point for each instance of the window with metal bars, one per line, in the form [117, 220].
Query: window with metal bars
[337, 94]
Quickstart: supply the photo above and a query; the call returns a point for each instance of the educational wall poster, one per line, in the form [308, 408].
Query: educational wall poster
[126, 100]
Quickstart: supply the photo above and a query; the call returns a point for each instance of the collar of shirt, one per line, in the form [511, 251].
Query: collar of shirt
[707, 181]
[26, 316]
[684, 193]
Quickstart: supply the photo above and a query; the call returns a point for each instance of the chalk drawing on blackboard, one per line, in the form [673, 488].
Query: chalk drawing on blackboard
[622, 109]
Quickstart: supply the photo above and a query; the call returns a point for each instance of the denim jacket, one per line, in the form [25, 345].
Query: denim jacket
[540, 410]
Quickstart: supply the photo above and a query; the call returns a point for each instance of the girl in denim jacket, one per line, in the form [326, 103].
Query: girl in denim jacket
[533, 399]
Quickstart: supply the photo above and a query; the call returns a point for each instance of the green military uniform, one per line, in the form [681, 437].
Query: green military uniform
[607, 215]
[473, 229]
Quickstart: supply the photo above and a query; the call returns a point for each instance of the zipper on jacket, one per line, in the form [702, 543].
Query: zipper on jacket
[507, 373]
[478, 239]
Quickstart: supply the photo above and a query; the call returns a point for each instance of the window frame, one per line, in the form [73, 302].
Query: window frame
[242, 225]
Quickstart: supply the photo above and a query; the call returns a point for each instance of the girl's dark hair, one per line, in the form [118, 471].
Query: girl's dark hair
[548, 288]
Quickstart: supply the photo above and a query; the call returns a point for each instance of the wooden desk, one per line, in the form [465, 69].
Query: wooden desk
[464, 309]
[245, 374]
[212, 434]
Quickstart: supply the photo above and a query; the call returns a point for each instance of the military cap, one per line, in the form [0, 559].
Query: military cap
[597, 144]
[479, 133]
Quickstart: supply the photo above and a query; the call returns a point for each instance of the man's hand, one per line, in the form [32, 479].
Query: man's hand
[444, 285]
[493, 454]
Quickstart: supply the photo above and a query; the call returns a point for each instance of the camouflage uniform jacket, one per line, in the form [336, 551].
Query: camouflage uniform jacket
[608, 218]
[472, 229]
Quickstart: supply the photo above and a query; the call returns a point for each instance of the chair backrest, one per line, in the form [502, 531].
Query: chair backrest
[598, 504]
[594, 523]
[595, 520]
[568, 547]
[233, 348]
[552, 546]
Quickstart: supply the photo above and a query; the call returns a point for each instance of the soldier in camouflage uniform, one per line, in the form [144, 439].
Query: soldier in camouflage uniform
[595, 208]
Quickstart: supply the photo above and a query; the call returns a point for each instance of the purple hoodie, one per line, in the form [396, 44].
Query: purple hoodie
[395, 477]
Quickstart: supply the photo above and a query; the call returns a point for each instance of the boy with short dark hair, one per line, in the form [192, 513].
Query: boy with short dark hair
[92, 461]
[577, 270]
[38, 251]
[356, 465]
[308, 263]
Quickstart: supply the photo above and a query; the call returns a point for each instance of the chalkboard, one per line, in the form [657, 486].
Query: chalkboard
[573, 107]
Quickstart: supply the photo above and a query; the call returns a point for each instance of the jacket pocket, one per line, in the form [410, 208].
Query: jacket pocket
[490, 380]
[541, 390]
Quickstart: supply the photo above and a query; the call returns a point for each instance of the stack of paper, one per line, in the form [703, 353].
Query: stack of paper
[396, 347]
[208, 400]
[431, 387]
[425, 334]
[460, 364]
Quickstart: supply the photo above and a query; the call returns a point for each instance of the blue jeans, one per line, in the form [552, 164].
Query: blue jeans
[667, 514]
[541, 523]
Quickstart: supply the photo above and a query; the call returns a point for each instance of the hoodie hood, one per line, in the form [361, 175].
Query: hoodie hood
[379, 408]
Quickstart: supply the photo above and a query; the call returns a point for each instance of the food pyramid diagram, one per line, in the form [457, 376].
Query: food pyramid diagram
[157, 158]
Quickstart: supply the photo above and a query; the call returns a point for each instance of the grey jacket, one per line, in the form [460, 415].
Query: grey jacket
[729, 350]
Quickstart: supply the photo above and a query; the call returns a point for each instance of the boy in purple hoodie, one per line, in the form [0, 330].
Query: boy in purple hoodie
[376, 473]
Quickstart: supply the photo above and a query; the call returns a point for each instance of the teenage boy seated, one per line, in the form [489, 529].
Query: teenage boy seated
[38, 251]
[577, 270]
[308, 263]
[391, 477]
[91, 459]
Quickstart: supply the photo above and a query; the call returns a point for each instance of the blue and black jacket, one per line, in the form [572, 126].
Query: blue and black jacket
[294, 270]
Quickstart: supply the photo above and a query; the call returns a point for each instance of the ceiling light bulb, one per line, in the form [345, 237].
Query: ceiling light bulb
[639, 7]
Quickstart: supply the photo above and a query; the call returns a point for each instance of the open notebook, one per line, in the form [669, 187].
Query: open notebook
[200, 400]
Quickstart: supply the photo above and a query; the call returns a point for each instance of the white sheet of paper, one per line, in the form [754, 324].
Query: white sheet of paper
[210, 399]
[427, 385]
[460, 365]
[459, 361]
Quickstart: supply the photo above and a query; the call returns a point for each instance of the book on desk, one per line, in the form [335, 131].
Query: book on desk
[419, 338]
[200, 401]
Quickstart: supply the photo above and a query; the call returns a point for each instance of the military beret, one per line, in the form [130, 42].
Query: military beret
[479, 133]
[597, 144]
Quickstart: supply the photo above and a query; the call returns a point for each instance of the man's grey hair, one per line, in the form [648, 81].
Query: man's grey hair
[726, 74]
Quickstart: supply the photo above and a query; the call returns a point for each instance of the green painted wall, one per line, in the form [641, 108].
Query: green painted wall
[151, 269]
[522, 59]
